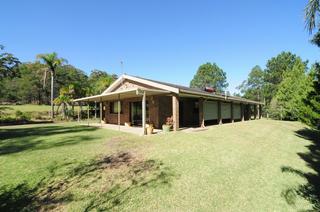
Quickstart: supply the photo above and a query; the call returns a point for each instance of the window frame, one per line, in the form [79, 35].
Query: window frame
[112, 107]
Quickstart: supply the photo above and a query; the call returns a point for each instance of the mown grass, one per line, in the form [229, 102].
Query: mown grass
[11, 109]
[30, 113]
[30, 108]
[259, 165]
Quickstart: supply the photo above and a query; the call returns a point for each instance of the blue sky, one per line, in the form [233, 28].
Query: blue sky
[163, 40]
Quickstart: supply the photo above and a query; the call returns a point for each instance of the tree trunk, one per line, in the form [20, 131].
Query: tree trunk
[52, 106]
[64, 111]
[95, 110]
[57, 111]
[39, 96]
[67, 110]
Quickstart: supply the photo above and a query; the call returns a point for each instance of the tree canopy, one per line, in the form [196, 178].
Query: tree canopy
[252, 88]
[310, 113]
[210, 75]
[311, 12]
[8, 64]
[276, 69]
[30, 83]
[51, 60]
[291, 91]
[99, 81]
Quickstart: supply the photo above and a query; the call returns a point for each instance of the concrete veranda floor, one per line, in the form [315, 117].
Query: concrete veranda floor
[132, 129]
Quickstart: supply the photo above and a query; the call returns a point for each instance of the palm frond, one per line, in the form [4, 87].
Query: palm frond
[51, 60]
[311, 12]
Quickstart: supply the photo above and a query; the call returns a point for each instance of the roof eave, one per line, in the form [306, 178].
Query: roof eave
[219, 97]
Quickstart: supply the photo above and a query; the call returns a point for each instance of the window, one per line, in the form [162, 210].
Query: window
[114, 107]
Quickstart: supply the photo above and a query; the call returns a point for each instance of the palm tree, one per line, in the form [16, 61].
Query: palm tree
[65, 98]
[52, 61]
[311, 11]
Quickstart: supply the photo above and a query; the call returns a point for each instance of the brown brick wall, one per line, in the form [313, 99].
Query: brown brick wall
[153, 103]
[165, 109]
[157, 116]
[112, 118]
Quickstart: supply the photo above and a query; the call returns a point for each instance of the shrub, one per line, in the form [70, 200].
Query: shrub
[6, 119]
[22, 116]
[39, 115]
[169, 121]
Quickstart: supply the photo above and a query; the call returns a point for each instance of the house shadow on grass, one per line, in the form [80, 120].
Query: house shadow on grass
[14, 140]
[311, 190]
[106, 183]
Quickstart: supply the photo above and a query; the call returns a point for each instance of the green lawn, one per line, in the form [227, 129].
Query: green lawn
[37, 112]
[259, 165]
[30, 108]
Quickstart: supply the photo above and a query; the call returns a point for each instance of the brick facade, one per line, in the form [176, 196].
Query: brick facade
[159, 108]
[186, 112]
[187, 108]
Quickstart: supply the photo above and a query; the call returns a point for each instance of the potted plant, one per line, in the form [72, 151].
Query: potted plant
[167, 126]
[149, 129]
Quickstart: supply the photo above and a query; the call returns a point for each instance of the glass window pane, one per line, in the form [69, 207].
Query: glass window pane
[115, 107]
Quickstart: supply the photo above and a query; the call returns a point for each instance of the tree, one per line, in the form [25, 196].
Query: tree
[99, 81]
[311, 12]
[52, 61]
[67, 75]
[65, 98]
[210, 75]
[316, 39]
[252, 88]
[291, 91]
[310, 114]
[27, 88]
[8, 64]
[8, 68]
[276, 69]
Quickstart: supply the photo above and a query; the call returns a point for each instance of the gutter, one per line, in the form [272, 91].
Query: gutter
[220, 97]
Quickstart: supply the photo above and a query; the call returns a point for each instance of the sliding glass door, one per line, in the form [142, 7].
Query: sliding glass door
[136, 113]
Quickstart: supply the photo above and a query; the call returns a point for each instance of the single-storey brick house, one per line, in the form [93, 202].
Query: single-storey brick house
[144, 101]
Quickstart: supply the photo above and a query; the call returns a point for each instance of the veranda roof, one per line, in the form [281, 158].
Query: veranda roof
[123, 94]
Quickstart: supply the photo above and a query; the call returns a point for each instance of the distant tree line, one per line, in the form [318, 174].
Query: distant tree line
[289, 89]
[287, 86]
[29, 82]
[282, 86]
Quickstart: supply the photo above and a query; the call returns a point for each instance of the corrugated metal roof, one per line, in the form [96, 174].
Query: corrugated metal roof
[197, 91]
